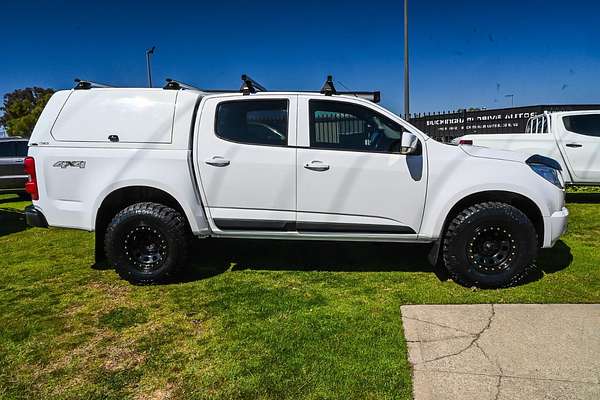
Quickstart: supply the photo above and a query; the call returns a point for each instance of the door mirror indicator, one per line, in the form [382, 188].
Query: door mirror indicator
[409, 143]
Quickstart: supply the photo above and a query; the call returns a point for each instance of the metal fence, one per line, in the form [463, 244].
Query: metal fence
[337, 128]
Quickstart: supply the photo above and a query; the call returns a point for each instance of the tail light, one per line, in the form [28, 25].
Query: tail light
[31, 185]
[465, 141]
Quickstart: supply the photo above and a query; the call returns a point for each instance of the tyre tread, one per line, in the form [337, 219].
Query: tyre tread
[175, 225]
[453, 231]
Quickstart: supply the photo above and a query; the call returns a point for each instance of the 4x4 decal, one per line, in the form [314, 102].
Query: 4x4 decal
[66, 164]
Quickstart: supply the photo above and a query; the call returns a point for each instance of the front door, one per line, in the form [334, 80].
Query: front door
[351, 177]
[247, 162]
[580, 140]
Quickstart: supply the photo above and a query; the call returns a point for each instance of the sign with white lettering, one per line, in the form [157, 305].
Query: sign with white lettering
[447, 126]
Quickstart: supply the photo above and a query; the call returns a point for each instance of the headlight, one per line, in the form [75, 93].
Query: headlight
[550, 174]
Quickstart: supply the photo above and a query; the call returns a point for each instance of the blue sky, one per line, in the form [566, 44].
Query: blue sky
[463, 53]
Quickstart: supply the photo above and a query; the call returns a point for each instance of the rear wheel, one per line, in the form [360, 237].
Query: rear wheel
[489, 245]
[147, 242]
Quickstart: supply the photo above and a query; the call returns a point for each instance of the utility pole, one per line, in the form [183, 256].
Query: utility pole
[149, 52]
[406, 75]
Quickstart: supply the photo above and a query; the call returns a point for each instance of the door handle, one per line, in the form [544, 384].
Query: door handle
[316, 166]
[217, 161]
[574, 145]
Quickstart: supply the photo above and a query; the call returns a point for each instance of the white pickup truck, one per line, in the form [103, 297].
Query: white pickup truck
[570, 137]
[148, 169]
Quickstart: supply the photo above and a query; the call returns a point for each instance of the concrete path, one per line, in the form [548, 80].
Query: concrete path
[504, 351]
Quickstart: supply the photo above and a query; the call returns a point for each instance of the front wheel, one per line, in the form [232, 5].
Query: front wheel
[489, 245]
[147, 242]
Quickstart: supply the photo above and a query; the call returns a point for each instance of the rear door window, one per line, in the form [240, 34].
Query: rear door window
[263, 122]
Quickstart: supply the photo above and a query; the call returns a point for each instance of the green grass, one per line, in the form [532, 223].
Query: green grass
[250, 319]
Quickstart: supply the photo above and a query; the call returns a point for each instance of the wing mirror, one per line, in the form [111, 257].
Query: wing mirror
[409, 143]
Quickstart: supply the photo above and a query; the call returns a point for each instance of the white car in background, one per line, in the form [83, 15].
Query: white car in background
[571, 137]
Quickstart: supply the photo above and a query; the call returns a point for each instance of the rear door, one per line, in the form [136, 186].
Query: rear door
[246, 160]
[579, 137]
[351, 178]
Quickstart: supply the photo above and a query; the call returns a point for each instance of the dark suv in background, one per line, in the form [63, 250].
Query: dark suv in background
[12, 174]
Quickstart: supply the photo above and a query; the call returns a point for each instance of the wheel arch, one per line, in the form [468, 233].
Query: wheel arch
[122, 197]
[517, 200]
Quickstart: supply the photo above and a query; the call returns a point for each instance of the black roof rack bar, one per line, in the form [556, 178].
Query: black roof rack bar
[249, 85]
[173, 84]
[375, 97]
[81, 84]
[328, 88]
[176, 85]
[215, 91]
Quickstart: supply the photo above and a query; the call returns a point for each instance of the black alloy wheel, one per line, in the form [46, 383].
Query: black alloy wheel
[146, 248]
[491, 249]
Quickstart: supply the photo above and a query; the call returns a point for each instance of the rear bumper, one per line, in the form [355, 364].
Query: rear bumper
[34, 217]
[556, 226]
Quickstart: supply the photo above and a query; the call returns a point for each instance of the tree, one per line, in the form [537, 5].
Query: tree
[22, 109]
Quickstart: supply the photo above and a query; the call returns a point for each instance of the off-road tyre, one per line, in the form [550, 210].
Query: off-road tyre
[490, 245]
[147, 243]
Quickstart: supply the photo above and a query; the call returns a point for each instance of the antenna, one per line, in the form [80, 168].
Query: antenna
[328, 89]
[249, 85]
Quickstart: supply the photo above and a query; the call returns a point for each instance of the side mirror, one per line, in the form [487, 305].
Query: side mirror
[409, 143]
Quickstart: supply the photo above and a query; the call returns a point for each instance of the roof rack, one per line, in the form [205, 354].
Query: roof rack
[328, 89]
[81, 84]
[250, 86]
[172, 84]
[374, 97]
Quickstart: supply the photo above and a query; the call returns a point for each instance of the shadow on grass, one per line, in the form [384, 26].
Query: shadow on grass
[215, 256]
[11, 221]
[550, 261]
[212, 257]
[583, 198]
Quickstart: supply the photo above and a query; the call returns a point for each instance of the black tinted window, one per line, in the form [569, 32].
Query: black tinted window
[21, 149]
[346, 126]
[253, 121]
[7, 149]
[584, 124]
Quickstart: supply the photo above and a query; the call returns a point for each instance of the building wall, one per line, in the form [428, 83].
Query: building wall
[446, 126]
